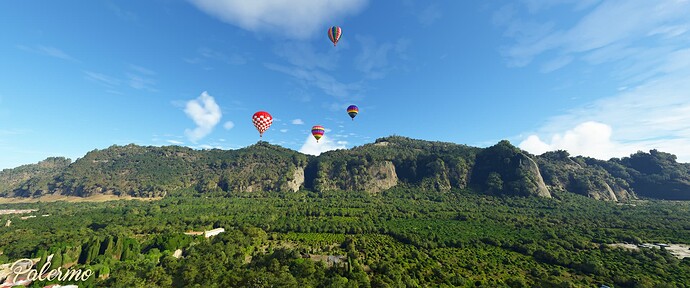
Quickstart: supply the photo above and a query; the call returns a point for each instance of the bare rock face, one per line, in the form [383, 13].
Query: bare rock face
[602, 192]
[373, 178]
[382, 176]
[297, 179]
[533, 169]
[622, 194]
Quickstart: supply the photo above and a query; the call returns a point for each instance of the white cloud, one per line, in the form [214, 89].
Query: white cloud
[228, 125]
[297, 122]
[652, 116]
[205, 113]
[284, 130]
[175, 142]
[299, 19]
[591, 139]
[312, 147]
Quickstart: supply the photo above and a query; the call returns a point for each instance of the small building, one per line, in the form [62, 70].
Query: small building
[213, 232]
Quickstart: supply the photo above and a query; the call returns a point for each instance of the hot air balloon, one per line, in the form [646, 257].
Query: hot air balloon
[334, 34]
[352, 111]
[262, 120]
[317, 131]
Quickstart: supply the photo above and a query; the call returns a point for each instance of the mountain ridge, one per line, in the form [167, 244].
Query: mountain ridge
[389, 162]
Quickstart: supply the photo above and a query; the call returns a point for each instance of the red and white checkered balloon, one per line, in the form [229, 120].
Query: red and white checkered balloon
[262, 120]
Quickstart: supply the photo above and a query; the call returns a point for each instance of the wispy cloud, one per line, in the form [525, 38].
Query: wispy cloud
[284, 130]
[122, 13]
[297, 122]
[228, 125]
[535, 6]
[316, 78]
[303, 54]
[306, 18]
[636, 20]
[141, 70]
[429, 15]
[7, 132]
[48, 51]
[141, 83]
[233, 59]
[140, 78]
[102, 79]
[205, 113]
[373, 60]
[175, 142]
[137, 77]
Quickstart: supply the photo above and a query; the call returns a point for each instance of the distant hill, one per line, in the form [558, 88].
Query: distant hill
[502, 169]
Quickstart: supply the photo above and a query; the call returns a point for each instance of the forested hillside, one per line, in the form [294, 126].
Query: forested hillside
[502, 169]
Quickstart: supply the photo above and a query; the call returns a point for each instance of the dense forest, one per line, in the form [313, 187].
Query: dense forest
[395, 161]
[398, 238]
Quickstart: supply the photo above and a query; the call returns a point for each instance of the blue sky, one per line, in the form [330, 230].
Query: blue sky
[597, 78]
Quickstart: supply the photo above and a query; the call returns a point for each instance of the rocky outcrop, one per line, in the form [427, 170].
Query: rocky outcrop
[297, 179]
[505, 169]
[534, 175]
[382, 176]
[373, 178]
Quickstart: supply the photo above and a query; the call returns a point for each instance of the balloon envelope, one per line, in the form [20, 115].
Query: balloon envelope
[334, 34]
[352, 111]
[262, 120]
[317, 131]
